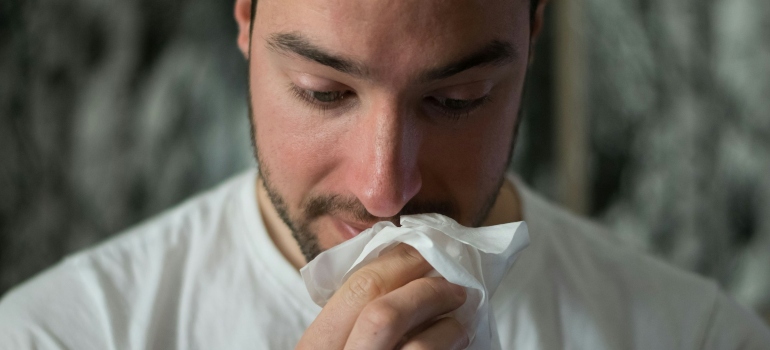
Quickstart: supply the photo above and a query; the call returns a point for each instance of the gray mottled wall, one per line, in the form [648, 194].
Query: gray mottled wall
[112, 110]
[680, 93]
[678, 99]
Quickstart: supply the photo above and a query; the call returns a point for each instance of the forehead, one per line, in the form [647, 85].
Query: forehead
[389, 34]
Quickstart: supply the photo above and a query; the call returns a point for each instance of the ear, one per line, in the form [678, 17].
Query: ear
[243, 18]
[536, 27]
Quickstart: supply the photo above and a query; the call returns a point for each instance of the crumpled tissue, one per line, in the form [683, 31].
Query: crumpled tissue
[476, 258]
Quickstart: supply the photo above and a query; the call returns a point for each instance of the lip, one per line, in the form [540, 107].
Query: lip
[349, 229]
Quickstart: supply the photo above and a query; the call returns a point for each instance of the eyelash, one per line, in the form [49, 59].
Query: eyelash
[305, 96]
[455, 114]
[451, 113]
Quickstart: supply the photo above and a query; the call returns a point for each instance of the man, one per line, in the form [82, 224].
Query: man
[363, 111]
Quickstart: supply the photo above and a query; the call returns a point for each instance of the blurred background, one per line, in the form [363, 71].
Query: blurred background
[650, 116]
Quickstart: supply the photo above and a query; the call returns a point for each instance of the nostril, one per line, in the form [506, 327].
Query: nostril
[382, 203]
[386, 197]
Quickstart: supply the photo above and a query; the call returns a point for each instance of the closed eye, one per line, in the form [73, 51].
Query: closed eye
[456, 108]
[323, 100]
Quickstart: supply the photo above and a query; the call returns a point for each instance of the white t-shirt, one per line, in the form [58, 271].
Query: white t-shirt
[205, 275]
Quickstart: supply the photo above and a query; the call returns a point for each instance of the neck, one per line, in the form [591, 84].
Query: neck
[507, 207]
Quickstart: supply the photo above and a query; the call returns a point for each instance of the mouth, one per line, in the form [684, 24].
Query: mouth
[349, 229]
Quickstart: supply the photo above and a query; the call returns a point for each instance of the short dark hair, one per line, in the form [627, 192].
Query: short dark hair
[532, 10]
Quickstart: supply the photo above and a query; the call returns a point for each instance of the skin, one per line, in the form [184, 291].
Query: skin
[390, 142]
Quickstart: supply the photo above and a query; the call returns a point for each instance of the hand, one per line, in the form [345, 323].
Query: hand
[388, 303]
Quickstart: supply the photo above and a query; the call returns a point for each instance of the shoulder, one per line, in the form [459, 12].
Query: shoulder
[578, 282]
[731, 327]
[164, 245]
[50, 311]
[89, 298]
[186, 226]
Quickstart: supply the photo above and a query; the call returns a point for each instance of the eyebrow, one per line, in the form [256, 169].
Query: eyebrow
[495, 53]
[298, 44]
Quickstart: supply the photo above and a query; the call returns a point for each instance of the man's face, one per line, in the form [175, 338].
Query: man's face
[367, 110]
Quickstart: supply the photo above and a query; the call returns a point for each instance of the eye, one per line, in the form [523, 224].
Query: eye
[451, 103]
[320, 99]
[326, 96]
[456, 108]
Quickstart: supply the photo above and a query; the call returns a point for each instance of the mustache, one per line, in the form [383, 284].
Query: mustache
[318, 206]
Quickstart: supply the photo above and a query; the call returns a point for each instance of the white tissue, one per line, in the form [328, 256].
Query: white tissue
[476, 258]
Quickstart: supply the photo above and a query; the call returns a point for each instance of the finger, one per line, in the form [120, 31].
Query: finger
[446, 333]
[393, 270]
[389, 271]
[384, 321]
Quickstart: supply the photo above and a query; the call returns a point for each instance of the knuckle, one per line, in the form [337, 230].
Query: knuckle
[437, 287]
[441, 288]
[409, 253]
[364, 286]
[379, 316]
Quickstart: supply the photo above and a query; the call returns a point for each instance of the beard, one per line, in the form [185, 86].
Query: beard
[317, 206]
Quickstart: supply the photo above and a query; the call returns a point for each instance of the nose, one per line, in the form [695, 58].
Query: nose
[385, 173]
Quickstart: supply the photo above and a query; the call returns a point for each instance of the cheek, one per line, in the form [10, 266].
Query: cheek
[467, 162]
[295, 147]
